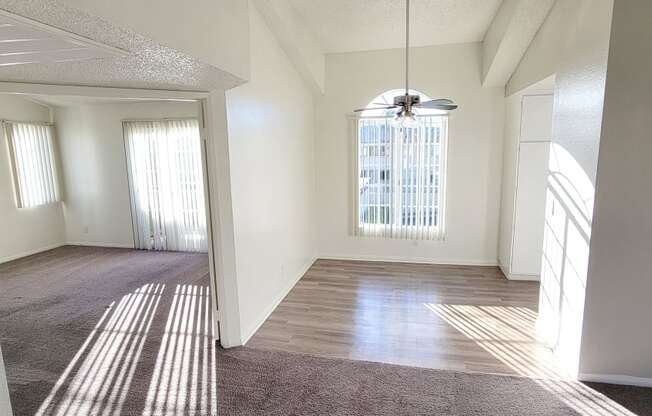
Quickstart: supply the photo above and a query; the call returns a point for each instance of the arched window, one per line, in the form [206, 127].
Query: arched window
[400, 179]
[387, 98]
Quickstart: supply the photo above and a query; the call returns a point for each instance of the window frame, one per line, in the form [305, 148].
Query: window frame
[13, 163]
[393, 230]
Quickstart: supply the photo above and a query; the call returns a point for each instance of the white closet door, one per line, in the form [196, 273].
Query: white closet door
[536, 118]
[531, 184]
[530, 208]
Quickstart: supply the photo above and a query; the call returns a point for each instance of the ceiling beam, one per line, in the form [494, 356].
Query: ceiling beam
[508, 37]
[21, 88]
[296, 39]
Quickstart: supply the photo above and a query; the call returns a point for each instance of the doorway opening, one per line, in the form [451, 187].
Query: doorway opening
[100, 170]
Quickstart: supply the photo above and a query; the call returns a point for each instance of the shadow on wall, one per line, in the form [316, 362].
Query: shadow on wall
[137, 360]
[569, 210]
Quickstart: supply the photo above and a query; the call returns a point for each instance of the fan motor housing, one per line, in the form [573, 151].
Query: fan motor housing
[407, 100]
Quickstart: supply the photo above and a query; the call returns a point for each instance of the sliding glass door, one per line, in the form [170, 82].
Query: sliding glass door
[167, 184]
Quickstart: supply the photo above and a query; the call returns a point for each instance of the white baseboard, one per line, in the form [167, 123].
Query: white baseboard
[419, 260]
[521, 277]
[616, 379]
[503, 269]
[30, 252]
[96, 244]
[247, 334]
[524, 277]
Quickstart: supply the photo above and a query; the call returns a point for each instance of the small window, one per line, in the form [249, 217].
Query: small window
[400, 173]
[31, 152]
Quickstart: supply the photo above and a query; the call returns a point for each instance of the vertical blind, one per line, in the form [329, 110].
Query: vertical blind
[31, 152]
[400, 179]
[167, 184]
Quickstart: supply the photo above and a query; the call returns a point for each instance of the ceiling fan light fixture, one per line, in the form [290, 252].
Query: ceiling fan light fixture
[406, 120]
[410, 121]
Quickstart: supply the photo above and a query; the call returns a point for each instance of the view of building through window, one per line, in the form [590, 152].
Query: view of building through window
[400, 176]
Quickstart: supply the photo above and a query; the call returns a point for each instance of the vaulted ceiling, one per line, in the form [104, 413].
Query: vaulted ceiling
[345, 25]
[57, 40]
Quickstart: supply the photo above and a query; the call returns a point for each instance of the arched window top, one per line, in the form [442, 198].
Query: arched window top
[387, 98]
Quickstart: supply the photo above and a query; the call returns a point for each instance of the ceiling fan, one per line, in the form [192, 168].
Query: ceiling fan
[405, 104]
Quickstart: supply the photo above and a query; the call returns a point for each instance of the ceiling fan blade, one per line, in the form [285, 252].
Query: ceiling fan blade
[439, 101]
[442, 101]
[441, 104]
[442, 107]
[375, 108]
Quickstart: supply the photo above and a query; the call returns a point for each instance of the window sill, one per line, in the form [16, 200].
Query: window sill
[400, 233]
[44, 205]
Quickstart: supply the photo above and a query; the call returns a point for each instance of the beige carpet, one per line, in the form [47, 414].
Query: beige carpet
[99, 331]
[257, 382]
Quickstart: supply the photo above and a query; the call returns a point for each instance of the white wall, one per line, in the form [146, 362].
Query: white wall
[26, 230]
[617, 340]
[213, 31]
[573, 45]
[97, 206]
[272, 181]
[5, 403]
[474, 152]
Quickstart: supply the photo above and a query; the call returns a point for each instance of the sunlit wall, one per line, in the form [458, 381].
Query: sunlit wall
[572, 44]
[567, 231]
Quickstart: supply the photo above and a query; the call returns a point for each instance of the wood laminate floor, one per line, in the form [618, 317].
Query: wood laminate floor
[463, 318]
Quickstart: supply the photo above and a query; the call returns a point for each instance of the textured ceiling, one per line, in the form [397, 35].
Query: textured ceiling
[24, 41]
[146, 65]
[358, 25]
